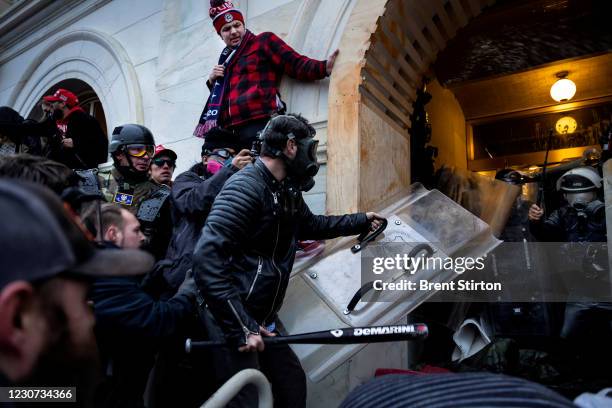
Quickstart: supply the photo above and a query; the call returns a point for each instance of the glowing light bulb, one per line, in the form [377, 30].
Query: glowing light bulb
[563, 90]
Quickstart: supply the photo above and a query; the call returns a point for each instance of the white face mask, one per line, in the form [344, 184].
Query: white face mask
[580, 199]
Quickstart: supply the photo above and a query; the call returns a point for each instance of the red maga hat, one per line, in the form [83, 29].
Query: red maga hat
[63, 95]
[161, 150]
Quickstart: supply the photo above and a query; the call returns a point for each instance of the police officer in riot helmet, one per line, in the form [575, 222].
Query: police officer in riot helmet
[127, 183]
[587, 315]
[582, 218]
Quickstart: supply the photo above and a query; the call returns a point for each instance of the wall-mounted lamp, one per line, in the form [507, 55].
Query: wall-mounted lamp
[564, 89]
[566, 125]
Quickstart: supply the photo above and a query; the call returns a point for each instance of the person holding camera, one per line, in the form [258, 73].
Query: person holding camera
[243, 259]
[192, 197]
[193, 193]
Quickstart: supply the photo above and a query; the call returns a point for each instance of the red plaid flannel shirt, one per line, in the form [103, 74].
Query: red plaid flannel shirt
[254, 77]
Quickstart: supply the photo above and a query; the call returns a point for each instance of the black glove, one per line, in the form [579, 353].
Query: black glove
[188, 287]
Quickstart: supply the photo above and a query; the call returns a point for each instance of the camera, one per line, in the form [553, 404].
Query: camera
[255, 148]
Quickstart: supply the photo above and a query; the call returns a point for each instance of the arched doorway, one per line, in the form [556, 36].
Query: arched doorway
[88, 100]
[387, 50]
[92, 57]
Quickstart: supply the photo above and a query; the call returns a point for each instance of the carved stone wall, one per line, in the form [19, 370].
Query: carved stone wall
[389, 46]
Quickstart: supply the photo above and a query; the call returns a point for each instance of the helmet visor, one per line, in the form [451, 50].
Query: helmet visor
[140, 150]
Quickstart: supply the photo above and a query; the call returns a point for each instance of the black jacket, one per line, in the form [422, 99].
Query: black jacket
[244, 257]
[130, 328]
[90, 143]
[193, 193]
[565, 225]
[122, 308]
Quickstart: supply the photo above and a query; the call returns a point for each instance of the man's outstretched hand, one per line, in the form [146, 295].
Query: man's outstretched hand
[375, 220]
[331, 61]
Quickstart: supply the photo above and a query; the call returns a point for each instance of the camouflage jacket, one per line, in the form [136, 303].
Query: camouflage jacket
[147, 200]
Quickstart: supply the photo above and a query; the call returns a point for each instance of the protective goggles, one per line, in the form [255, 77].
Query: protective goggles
[161, 161]
[222, 153]
[140, 150]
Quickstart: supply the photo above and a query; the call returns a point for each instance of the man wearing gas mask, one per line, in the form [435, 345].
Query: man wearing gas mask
[193, 194]
[244, 257]
[582, 219]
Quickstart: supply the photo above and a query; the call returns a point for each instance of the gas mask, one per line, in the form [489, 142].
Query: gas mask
[580, 200]
[304, 166]
[579, 186]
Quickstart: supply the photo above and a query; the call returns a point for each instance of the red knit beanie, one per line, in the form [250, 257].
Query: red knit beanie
[223, 12]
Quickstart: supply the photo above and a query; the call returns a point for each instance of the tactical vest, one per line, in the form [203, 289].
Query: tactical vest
[145, 199]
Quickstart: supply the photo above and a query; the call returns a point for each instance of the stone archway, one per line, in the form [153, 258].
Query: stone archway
[88, 100]
[91, 57]
[387, 47]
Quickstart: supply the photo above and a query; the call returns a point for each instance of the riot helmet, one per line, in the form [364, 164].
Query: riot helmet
[303, 168]
[134, 141]
[130, 134]
[580, 186]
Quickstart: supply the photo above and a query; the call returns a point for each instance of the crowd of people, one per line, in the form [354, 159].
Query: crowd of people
[106, 271]
[154, 260]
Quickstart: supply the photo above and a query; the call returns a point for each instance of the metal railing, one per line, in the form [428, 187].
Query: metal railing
[235, 384]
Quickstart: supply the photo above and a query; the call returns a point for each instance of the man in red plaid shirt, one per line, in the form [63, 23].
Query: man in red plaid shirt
[251, 76]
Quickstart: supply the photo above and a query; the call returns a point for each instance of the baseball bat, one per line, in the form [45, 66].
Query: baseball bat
[347, 335]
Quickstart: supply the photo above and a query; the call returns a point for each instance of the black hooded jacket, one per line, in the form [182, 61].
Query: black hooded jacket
[193, 193]
[245, 254]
